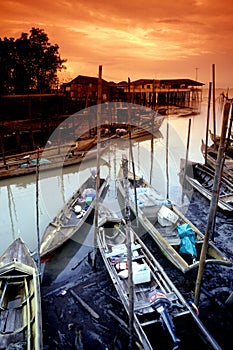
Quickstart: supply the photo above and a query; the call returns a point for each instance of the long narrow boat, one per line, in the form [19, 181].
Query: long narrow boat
[27, 165]
[228, 143]
[162, 317]
[71, 216]
[149, 200]
[201, 178]
[210, 154]
[167, 222]
[147, 126]
[20, 303]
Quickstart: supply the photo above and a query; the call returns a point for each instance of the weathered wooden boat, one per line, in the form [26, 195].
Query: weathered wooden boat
[162, 317]
[210, 154]
[48, 159]
[201, 178]
[216, 138]
[71, 216]
[148, 125]
[167, 229]
[20, 302]
[149, 200]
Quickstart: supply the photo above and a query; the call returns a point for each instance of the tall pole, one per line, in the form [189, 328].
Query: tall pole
[167, 167]
[214, 114]
[213, 203]
[37, 207]
[99, 100]
[129, 252]
[2, 148]
[186, 158]
[208, 121]
[131, 152]
[152, 148]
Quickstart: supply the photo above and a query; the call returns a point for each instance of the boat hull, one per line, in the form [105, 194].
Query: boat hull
[167, 239]
[20, 309]
[147, 322]
[68, 221]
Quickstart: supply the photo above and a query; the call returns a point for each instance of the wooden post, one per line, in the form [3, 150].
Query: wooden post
[152, 147]
[131, 154]
[2, 147]
[207, 123]
[229, 131]
[99, 100]
[167, 167]
[213, 203]
[37, 207]
[129, 253]
[214, 115]
[186, 159]
[129, 97]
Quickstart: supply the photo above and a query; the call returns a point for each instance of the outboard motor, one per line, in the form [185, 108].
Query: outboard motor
[163, 306]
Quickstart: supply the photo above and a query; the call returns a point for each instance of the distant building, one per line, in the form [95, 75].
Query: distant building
[84, 88]
[149, 92]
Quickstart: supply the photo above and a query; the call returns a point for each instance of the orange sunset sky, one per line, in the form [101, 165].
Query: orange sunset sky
[137, 39]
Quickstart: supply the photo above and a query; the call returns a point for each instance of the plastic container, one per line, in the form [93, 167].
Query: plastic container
[167, 217]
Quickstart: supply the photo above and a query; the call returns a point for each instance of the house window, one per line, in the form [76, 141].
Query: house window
[142, 86]
[148, 86]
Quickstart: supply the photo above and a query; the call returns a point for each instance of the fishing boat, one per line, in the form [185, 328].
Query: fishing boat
[20, 303]
[170, 229]
[26, 164]
[148, 199]
[72, 215]
[161, 316]
[210, 154]
[201, 178]
[216, 139]
[147, 126]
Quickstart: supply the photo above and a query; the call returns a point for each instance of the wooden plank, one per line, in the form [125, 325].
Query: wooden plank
[84, 304]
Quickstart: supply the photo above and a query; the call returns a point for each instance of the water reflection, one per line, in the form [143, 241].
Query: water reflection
[18, 195]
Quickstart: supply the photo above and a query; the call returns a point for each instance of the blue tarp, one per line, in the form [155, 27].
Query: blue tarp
[41, 161]
[188, 239]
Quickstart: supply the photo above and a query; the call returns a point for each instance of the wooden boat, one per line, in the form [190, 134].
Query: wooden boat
[146, 126]
[72, 216]
[49, 159]
[201, 178]
[216, 139]
[164, 231]
[228, 143]
[211, 158]
[20, 303]
[162, 317]
[149, 201]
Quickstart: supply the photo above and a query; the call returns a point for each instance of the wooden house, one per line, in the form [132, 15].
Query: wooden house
[84, 89]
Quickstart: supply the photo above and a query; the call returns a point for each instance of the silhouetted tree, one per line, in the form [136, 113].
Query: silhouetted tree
[29, 63]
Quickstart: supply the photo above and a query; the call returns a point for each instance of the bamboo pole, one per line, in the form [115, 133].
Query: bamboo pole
[129, 253]
[2, 148]
[131, 153]
[186, 158]
[152, 148]
[213, 203]
[229, 130]
[214, 114]
[167, 166]
[99, 100]
[37, 208]
[207, 122]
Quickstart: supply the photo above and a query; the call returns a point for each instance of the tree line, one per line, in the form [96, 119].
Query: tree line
[29, 64]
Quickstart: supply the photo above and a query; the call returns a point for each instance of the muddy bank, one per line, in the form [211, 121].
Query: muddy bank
[67, 324]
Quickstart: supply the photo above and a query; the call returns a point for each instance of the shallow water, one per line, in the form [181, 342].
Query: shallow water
[18, 195]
